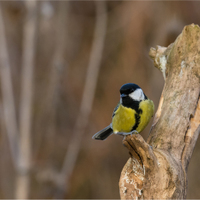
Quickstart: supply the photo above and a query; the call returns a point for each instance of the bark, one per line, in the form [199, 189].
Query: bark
[157, 169]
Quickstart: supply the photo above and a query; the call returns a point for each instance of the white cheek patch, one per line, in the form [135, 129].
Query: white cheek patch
[137, 95]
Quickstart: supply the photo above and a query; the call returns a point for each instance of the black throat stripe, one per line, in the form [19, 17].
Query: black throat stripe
[130, 103]
[137, 121]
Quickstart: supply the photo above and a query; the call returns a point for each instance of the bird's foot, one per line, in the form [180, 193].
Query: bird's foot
[127, 133]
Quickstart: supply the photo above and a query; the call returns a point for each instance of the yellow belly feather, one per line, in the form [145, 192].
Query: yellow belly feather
[124, 118]
[147, 108]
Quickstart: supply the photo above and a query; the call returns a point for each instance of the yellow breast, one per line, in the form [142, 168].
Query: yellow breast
[125, 118]
[147, 108]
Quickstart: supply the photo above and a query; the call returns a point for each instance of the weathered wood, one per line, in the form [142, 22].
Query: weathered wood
[157, 168]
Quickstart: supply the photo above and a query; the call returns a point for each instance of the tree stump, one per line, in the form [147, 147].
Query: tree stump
[157, 169]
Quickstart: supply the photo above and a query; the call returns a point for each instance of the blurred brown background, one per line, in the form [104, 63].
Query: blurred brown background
[81, 49]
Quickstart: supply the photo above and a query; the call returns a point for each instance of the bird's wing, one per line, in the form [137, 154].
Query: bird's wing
[115, 109]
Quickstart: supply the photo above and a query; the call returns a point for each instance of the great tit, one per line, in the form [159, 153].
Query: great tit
[131, 115]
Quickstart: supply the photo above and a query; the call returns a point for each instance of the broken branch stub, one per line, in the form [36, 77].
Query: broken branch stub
[157, 168]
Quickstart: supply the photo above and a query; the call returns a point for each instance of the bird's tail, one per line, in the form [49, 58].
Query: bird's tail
[103, 134]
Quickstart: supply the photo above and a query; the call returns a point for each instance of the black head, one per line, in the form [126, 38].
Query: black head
[128, 88]
[131, 95]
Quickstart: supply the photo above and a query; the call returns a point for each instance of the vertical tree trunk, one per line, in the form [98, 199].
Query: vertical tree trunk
[157, 168]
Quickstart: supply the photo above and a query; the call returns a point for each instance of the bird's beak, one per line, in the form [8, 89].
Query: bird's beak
[123, 95]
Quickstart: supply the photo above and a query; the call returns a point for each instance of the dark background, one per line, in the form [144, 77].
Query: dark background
[132, 28]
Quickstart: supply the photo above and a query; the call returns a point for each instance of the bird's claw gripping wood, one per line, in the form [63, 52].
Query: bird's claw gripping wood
[128, 133]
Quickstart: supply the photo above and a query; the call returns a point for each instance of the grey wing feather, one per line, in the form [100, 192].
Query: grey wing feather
[115, 109]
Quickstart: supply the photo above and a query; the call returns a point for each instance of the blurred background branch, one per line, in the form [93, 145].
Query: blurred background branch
[57, 66]
[8, 107]
[25, 117]
[87, 99]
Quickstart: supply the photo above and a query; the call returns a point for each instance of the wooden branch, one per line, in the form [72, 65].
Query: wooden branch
[158, 167]
[28, 56]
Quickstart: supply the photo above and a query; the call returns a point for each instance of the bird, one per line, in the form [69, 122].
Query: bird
[131, 115]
